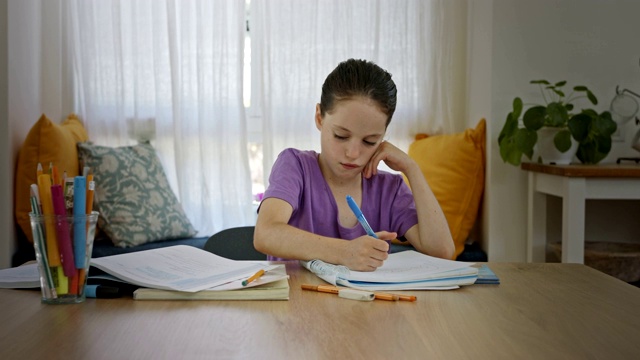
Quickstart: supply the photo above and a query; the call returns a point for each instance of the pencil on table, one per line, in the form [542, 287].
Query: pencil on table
[385, 296]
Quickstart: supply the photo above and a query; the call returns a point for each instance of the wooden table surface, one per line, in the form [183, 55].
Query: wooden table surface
[538, 311]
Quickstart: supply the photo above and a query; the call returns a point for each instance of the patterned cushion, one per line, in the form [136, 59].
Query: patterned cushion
[133, 196]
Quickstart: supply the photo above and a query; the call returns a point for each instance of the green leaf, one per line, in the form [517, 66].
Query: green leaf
[509, 152]
[545, 82]
[560, 93]
[579, 126]
[509, 128]
[529, 154]
[534, 117]
[592, 97]
[560, 83]
[603, 144]
[517, 108]
[562, 140]
[525, 140]
[580, 88]
[557, 115]
[586, 152]
[569, 107]
[594, 150]
[604, 125]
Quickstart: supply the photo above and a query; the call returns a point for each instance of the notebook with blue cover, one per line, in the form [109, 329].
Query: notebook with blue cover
[487, 276]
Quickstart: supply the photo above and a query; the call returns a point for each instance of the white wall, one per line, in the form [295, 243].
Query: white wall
[6, 181]
[588, 42]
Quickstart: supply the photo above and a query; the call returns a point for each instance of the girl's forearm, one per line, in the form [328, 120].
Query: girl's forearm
[289, 242]
[434, 234]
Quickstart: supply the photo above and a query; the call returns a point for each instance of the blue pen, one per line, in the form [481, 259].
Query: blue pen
[79, 220]
[356, 210]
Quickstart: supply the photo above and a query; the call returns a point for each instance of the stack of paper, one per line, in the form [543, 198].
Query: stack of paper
[21, 277]
[273, 285]
[186, 272]
[406, 270]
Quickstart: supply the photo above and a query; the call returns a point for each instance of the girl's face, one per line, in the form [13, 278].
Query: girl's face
[349, 136]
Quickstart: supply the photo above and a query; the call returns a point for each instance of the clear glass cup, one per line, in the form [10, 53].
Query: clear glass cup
[63, 245]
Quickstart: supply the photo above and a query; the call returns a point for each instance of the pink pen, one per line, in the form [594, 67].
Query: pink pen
[62, 230]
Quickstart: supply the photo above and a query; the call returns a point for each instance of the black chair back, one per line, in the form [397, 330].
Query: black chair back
[234, 243]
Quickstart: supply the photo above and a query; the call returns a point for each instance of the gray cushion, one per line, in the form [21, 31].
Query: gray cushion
[133, 196]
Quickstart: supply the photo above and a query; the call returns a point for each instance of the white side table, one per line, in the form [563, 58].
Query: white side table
[574, 184]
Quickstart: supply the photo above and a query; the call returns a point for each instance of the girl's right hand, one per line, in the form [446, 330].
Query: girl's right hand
[367, 253]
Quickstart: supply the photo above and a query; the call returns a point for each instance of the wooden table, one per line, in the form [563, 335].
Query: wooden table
[574, 184]
[538, 311]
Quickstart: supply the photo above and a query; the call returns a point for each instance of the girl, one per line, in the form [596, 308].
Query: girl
[304, 214]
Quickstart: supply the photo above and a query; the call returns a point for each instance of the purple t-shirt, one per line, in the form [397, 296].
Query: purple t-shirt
[387, 201]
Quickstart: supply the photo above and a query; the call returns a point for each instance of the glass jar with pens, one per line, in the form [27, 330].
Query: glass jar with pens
[63, 234]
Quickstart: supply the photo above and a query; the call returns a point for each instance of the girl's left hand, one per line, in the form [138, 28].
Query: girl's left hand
[395, 159]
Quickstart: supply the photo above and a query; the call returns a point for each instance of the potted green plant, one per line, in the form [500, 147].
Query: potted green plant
[590, 130]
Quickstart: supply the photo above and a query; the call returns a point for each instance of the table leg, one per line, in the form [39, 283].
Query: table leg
[573, 213]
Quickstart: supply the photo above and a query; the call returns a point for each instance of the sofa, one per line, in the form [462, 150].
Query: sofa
[139, 211]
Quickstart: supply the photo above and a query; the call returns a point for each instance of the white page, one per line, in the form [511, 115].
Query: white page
[181, 267]
[410, 266]
[21, 277]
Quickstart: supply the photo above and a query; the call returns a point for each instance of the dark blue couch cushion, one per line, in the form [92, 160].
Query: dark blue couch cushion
[472, 252]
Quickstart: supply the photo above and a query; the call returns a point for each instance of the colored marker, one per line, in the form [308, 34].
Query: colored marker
[79, 220]
[356, 210]
[44, 187]
[102, 291]
[62, 227]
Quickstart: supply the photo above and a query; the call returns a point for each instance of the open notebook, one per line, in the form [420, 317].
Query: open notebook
[406, 270]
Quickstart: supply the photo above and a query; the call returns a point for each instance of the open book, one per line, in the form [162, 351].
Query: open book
[406, 270]
[183, 271]
[177, 272]
[21, 277]
[273, 285]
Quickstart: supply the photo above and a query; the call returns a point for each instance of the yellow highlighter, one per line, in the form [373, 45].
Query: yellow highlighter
[44, 187]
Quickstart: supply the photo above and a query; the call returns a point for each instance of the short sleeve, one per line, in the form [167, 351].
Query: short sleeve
[286, 179]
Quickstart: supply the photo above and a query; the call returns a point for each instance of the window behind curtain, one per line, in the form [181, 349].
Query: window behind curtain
[295, 44]
[180, 62]
[183, 62]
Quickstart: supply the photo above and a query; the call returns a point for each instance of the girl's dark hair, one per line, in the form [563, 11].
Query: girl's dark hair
[354, 78]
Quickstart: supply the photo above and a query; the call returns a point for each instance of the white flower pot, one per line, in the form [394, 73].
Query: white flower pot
[547, 151]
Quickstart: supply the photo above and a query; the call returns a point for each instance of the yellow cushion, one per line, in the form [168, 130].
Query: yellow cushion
[453, 165]
[46, 142]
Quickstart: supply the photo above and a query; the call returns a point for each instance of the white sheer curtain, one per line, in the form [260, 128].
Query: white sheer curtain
[295, 44]
[181, 63]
